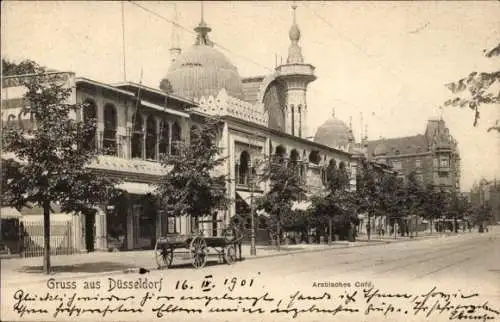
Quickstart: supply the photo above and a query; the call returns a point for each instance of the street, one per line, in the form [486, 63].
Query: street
[462, 270]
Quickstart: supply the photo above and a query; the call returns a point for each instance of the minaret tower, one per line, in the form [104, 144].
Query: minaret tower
[295, 76]
[175, 49]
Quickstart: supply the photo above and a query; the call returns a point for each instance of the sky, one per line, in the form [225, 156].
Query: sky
[387, 61]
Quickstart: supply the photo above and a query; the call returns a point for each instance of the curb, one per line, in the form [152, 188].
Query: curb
[155, 268]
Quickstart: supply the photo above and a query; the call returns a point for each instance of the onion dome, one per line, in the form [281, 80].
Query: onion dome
[202, 70]
[334, 133]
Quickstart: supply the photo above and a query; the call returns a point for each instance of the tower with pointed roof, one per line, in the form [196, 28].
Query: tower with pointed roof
[295, 75]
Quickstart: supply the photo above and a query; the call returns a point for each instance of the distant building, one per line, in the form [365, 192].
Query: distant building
[487, 192]
[433, 156]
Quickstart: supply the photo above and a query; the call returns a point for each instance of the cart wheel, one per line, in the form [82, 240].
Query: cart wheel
[163, 255]
[198, 251]
[230, 254]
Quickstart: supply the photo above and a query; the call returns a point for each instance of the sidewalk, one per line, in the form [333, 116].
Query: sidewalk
[17, 271]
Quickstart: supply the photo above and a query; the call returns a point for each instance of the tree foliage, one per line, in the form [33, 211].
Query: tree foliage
[285, 188]
[49, 163]
[479, 88]
[193, 185]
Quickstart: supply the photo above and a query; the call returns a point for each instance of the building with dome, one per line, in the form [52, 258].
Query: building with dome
[262, 115]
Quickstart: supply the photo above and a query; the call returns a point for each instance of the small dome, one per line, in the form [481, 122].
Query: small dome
[334, 133]
[202, 71]
[380, 149]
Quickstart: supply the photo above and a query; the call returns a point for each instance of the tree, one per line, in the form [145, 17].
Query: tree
[285, 188]
[413, 198]
[336, 208]
[391, 197]
[434, 204]
[482, 215]
[368, 192]
[478, 86]
[193, 185]
[49, 163]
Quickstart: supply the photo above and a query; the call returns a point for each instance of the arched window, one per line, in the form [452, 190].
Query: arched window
[343, 176]
[164, 137]
[294, 162]
[151, 138]
[137, 137]
[280, 153]
[314, 157]
[294, 158]
[109, 135]
[176, 138]
[90, 116]
[11, 121]
[329, 172]
[244, 167]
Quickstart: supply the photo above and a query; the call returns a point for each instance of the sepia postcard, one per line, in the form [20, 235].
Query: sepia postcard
[250, 161]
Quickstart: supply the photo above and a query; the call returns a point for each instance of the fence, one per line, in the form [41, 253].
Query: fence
[61, 238]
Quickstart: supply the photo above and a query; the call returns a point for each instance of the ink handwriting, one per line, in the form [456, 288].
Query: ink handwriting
[240, 295]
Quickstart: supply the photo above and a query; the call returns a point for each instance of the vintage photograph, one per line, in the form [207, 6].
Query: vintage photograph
[250, 161]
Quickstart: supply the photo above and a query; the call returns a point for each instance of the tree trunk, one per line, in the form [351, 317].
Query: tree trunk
[278, 235]
[329, 231]
[46, 237]
[430, 220]
[369, 228]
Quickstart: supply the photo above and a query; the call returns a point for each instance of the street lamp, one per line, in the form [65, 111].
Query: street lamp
[251, 182]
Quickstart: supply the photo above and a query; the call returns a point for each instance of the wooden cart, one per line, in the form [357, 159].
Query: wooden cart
[197, 248]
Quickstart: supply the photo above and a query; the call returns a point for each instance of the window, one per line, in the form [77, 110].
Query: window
[151, 138]
[243, 168]
[280, 153]
[444, 163]
[109, 135]
[164, 138]
[418, 163]
[176, 138]
[11, 121]
[90, 115]
[137, 137]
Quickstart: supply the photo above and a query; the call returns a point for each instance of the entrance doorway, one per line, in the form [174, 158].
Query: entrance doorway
[90, 231]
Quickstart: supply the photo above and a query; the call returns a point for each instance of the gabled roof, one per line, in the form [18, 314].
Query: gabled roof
[405, 145]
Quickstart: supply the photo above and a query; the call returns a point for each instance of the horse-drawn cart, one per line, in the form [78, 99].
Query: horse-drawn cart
[196, 248]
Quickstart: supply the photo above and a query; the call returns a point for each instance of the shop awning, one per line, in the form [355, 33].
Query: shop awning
[10, 213]
[136, 188]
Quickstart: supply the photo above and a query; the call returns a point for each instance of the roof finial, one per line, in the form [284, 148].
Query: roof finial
[294, 52]
[202, 30]
[333, 112]
[202, 12]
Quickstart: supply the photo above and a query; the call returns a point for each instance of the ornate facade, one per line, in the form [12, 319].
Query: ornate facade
[262, 115]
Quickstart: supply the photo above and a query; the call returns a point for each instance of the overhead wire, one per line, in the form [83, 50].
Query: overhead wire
[194, 33]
